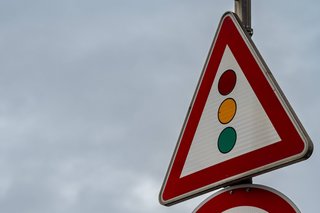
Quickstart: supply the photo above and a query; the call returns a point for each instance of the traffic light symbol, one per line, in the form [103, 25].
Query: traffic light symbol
[226, 112]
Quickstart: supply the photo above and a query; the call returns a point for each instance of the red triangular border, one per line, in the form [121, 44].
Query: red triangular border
[295, 144]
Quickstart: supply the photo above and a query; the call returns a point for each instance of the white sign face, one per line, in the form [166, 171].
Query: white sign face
[245, 209]
[247, 121]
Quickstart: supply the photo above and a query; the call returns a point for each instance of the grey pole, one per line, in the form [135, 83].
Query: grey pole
[243, 10]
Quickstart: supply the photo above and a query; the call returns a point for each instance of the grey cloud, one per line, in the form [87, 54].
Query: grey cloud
[93, 96]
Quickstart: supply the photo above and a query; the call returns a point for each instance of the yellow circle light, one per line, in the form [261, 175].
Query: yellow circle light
[227, 110]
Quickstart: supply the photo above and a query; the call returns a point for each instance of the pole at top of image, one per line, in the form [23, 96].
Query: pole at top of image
[243, 10]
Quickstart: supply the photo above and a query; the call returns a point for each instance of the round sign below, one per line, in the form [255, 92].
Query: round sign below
[247, 198]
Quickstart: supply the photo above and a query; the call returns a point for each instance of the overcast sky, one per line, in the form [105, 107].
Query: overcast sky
[93, 95]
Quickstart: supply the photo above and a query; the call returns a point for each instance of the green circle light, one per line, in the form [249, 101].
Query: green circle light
[227, 139]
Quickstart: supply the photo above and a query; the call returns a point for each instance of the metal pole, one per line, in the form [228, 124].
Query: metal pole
[243, 10]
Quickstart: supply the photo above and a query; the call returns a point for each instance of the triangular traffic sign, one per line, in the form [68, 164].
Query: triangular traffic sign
[239, 124]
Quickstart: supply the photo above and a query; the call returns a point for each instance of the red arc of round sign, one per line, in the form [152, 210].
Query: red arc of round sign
[247, 198]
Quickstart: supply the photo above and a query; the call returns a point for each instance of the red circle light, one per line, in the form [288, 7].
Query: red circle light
[227, 82]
